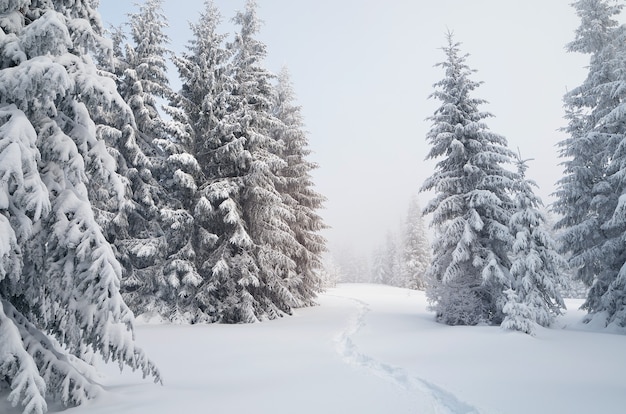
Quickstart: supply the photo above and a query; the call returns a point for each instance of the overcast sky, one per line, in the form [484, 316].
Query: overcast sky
[363, 71]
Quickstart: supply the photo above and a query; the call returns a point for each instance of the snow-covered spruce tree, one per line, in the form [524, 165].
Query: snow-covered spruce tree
[159, 225]
[143, 79]
[589, 195]
[239, 217]
[250, 265]
[379, 259]
[386, 262]
[59, 277]
[392, 263]
[606, 299]
[297, 190]
[572, 287]
[472, 207]
[330, 274]
[537, 269]
[416, 254]
[197, 113]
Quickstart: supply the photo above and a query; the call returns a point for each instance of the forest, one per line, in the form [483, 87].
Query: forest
[121, 197]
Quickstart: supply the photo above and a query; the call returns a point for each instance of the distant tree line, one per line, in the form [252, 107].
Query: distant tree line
[402, 259]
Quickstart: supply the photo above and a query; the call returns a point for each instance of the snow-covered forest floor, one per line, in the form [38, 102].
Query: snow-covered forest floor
[369, 349]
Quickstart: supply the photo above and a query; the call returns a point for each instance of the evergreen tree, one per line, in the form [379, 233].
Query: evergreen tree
[589, 195]
[144, 80]
[573, 287]
[379, 264]
[242, 245]
[416, 254]
[330, 274]
[386, 265]
[537, 269]
[472, 207]
[197, 111]
[159, 219]
[297, 190]
[59, 277]
[250, 266]
[392, 268]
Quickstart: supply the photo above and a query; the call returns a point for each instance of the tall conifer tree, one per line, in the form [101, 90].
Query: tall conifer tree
[298, 193]
[472, 207]
[537, 271]
[197, 111]
[140, 68]
[249, 271]
[416, 255]
[589, 196]
[58, 273]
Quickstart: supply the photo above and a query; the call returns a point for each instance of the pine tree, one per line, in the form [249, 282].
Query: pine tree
[537, 268]
[59, 277]
[297, 191]
[589, 194]
[472, 207]
[416, 254]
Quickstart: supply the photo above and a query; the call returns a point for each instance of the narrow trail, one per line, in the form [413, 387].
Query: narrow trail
[442, 401]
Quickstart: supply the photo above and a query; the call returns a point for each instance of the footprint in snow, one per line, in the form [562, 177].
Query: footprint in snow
[445, 401]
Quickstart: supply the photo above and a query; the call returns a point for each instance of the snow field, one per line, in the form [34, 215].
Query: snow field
[569, 370]
[284, 366]
[368, 349]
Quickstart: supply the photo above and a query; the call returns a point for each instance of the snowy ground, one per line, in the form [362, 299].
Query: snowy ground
[369, 349]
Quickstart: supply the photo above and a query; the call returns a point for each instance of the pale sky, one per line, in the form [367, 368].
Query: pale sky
[363, 71]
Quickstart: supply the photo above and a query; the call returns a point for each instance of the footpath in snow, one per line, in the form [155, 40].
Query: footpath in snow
[484, 369]
[368, 349]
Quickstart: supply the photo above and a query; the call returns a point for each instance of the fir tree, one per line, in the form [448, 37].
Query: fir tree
[392, 268]
[330, 274]
[387, 263]
[573, 287]
[242, 242]
[379, 264]
[297, 191]
[416, 254]
[159, 219]
[471, 208]
[250, 266]
[59, 277]
[197, 112]
[537, 268]
[589, 196]
[144, 80]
